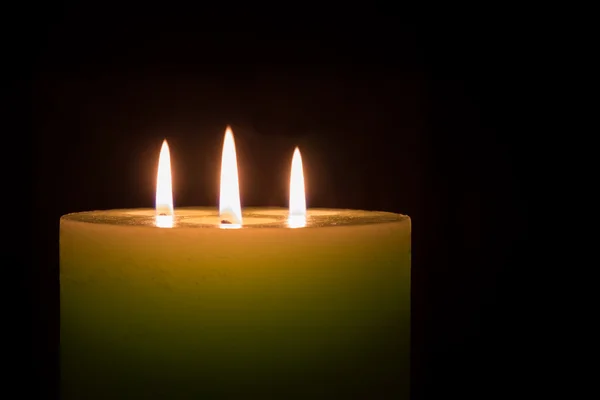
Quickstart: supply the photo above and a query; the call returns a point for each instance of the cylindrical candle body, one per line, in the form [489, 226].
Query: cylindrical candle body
[197, 312]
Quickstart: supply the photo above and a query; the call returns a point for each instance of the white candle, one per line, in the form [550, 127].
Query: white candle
[263, 311]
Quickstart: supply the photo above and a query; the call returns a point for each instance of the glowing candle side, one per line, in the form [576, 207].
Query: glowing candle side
[207, 313]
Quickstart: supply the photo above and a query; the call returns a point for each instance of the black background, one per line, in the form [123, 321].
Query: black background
[413, 119]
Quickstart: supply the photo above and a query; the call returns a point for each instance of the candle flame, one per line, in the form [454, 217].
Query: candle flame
[230, 211]
[297, 213]
[164, 189]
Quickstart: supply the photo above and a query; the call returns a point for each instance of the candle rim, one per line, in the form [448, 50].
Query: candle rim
[342, 217]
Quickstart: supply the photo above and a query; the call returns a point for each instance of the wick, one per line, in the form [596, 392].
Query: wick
[224, 221]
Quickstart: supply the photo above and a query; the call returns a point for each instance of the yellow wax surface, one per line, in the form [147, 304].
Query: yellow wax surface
[195, 311]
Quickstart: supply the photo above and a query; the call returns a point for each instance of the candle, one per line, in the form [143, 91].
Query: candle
[164, 303]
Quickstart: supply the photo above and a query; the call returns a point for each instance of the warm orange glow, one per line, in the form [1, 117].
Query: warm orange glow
[164, 189]
[229, 203]
[297, 214]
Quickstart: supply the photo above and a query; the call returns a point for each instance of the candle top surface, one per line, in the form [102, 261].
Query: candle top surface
[253, 217]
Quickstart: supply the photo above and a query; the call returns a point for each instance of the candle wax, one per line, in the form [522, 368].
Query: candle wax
[264, 311]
